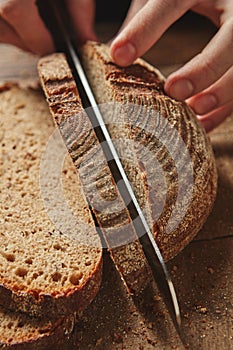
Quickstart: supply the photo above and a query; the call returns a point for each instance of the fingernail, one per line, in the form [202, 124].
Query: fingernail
[124, 55]
[181, 89]
[205, 104]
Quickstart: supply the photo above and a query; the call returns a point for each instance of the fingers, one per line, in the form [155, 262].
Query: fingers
[213, 119]
[215, 103]
[83, 13]
[208, 79]
[8, 35]
[204, 69]
[21, 25]
[145, 28]
[30, 29]
[215, 96]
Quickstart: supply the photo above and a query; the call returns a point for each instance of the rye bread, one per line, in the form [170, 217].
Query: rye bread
[21, 332]
[44, 271]
[164, 129]
[139, 88]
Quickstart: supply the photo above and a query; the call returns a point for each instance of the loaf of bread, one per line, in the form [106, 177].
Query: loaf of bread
[161, 130]
[165, 152]
[44, 271]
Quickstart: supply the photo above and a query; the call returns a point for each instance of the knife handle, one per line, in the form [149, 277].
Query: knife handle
[57, 20]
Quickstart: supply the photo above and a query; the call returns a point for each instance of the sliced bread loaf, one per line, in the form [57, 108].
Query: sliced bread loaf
[151, 127]
[44, 271]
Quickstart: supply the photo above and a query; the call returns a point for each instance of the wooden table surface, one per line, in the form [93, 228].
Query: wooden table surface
[202, 273]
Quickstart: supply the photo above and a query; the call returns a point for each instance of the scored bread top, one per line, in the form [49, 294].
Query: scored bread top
[43, 271]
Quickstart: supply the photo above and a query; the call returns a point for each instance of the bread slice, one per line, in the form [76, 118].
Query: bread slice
[45, 270]
[19, 331]
[150, 127]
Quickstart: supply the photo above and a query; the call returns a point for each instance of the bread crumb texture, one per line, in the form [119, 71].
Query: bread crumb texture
[19, 331]
[36, 258]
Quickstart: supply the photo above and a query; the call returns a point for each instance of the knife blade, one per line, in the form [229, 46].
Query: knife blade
[55, 18]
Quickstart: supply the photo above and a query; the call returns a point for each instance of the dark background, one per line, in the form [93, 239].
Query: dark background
[115, 11]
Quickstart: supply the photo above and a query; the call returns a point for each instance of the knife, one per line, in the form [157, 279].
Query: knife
[55, 17]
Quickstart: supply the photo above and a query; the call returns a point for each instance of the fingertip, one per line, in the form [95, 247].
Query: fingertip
[179, 89]
[211, 120]
[207, 123]
[123, 54]
[204, 103]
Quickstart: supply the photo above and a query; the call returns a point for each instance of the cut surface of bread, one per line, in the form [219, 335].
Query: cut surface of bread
[151, 127]
[44, 270]
[19, 331]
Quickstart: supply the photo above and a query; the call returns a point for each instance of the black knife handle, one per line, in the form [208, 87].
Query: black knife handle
[57, 20]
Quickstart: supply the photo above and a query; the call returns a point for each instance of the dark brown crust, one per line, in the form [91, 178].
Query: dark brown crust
[59, 335]
[51, 307]
[7, 86]
[83, 146]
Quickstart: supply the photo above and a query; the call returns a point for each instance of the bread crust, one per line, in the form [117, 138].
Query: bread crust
[50, 306]
[47, 335]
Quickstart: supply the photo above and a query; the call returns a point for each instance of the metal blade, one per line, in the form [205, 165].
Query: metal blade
[52, 13]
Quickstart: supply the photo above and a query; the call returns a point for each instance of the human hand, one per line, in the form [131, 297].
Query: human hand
[21, 25]
[206, 81]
